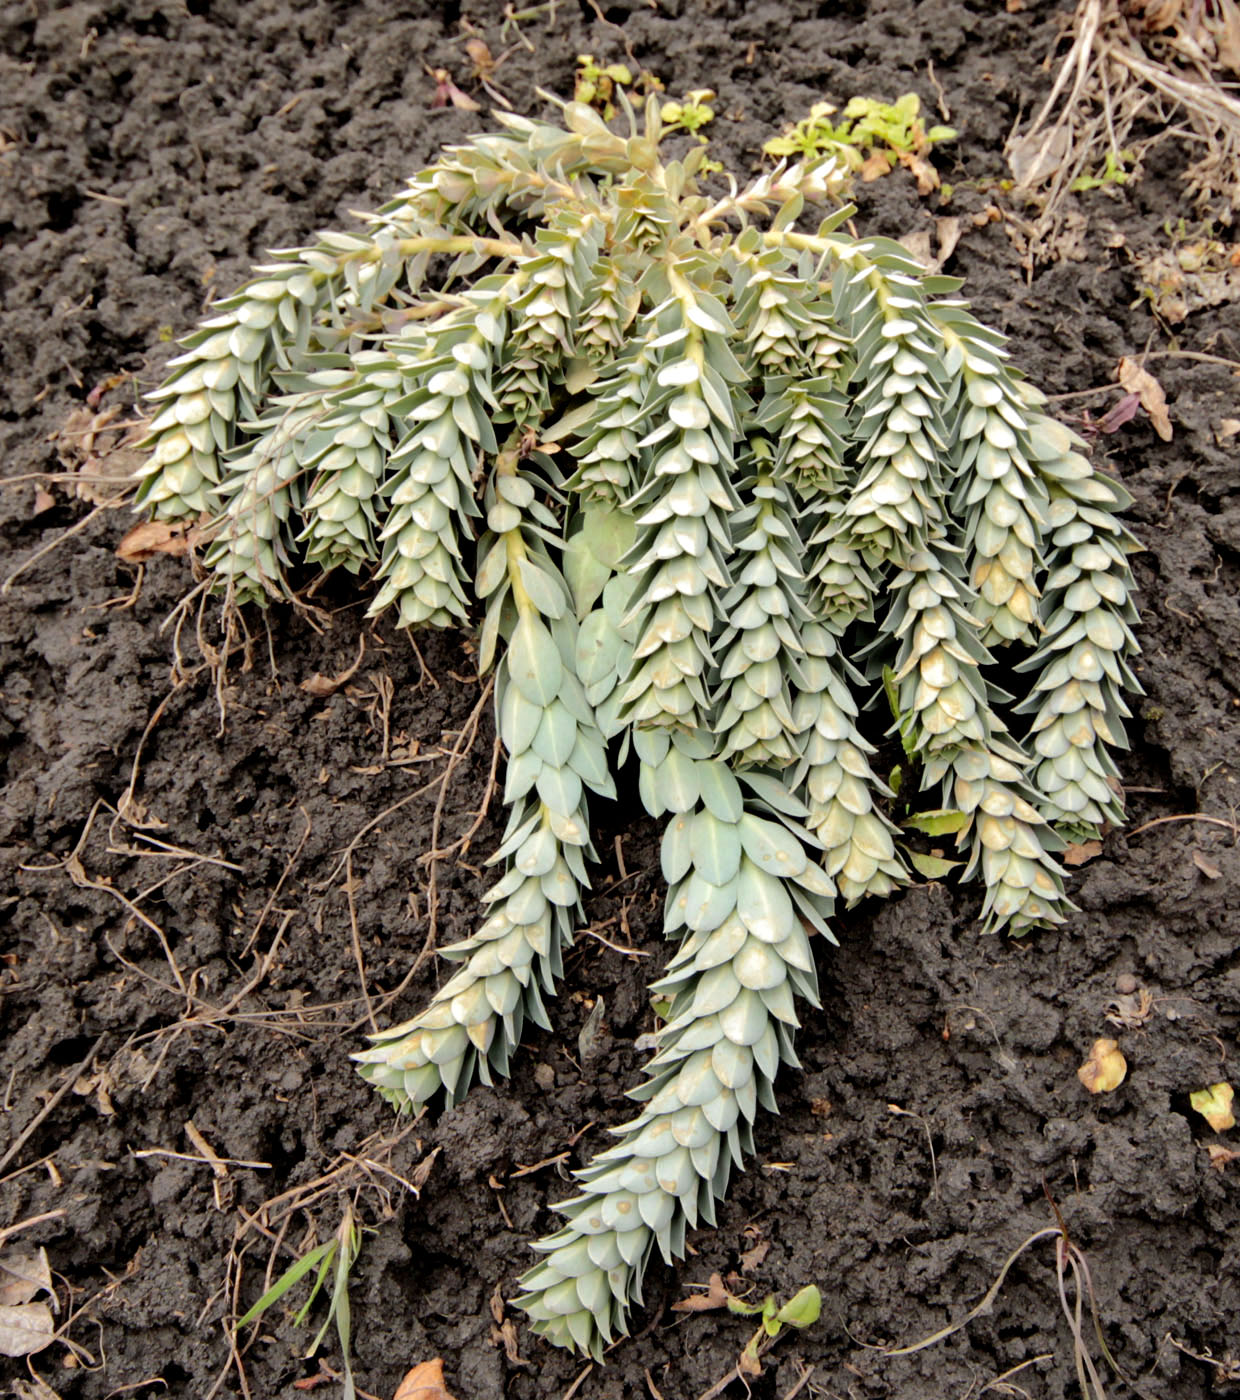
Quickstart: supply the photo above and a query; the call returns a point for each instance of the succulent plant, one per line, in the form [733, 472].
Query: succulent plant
[714, 484]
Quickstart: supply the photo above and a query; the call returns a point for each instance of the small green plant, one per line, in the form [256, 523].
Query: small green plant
[702, 478]
[1114, 172]
[332, 1259]
[600, 87]
[690, 114]
[800, 1311]
[870, 137]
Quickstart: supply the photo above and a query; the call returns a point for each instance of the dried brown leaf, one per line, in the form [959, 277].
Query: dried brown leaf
[43, 500]
[754, 1256]
[25, 1329]
[1130, 1010]
[926, 175]
[508, 1335]
[1081, 852]
[321, 686]
[1070, 243]
[1119, 414]
[24, 1276]
[446, 91]
[875, 167]
[34, 1389]
[100, 451]
[154, 537]
[1220, 1155]
[749, 1364]
[948, 231]
[1214, 1104]
[424, 1382]
[918, 246]
[716, 1296]
[1142, 383]
[1033, 159]
[417, 1178]
[1105, 1069]
[1206, 866]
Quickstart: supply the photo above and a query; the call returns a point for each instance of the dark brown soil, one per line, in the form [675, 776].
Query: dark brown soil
[151, 152]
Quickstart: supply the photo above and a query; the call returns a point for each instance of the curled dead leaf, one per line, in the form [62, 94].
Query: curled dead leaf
[321, 686]
[102, 451]
[424, 1382]
[1081, 852]
[508, 1337]
[874, 167]
[1220, 1156]
[154, 537]
[948, 230]
[923, 172]
[918, 246]
[446, 91]
[1105, 1069]
[417, 1179]
[35, 1389]
[1214, 1105]
[1206, 866]
[749, 1364]
[759, 1248]
[716, 1296]
[1130, 1010]
[1142, 383]
[1119, 414]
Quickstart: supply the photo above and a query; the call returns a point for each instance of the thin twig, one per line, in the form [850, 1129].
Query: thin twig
[29, 1222]
[358, 956]
[1231, 826]
[75, 529]
[284, 874]
[70, 1080]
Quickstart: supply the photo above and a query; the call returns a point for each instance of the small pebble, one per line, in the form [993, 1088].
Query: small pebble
[1126, 983]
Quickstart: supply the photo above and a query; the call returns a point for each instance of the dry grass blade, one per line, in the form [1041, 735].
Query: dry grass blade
[1122, 67]
[981, 1308]
[1068, 1257]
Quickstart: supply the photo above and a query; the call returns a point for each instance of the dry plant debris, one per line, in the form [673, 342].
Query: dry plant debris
[1196, 272]
[1214, 1105]
[1164, 62]
[1105, 1068]
[424, 1382]
[26, 1326]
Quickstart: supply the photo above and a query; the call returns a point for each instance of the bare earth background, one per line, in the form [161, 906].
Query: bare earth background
[150, 153]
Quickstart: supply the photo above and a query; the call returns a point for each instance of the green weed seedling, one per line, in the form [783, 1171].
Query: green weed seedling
[599, 86]
[333, 1259]
[871, 138]
[801, 1310]
[690, 114]
[1114, 172]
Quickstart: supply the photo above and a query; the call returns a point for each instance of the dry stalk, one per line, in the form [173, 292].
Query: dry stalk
[1118, 70]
